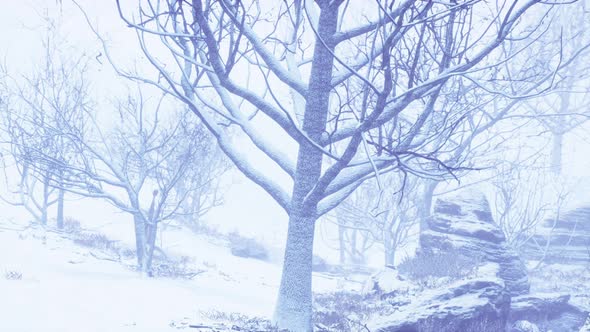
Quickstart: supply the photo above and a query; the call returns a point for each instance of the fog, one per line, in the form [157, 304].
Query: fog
[295, 165]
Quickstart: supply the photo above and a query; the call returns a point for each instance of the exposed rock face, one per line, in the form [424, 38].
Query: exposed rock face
[464, 222]
[466, 305]
[567, 239]
[552, 311]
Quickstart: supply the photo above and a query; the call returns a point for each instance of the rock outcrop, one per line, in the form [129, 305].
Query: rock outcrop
[467, 305]
[551, 311]
[562, 240]
[496, 297]
[463, 222]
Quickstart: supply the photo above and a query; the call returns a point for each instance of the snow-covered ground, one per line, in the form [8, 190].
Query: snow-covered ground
[67, 287]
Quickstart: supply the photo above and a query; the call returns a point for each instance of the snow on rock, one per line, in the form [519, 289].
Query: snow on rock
[562, 240]
[524, 326]
[463, 222]
[551, 310]
[586, 327]
[386, 283]
[480, 304]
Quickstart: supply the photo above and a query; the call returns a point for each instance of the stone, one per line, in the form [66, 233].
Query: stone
[481, 304]
[549, 310]
[564, 240]
[463, 222]
[586, 326]
[524, 326]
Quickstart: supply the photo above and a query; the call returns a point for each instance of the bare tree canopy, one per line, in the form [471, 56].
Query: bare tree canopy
[357, 88]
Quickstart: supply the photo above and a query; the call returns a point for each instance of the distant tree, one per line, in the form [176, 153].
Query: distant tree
[366, 78]
[154, 168]
[202, 189]
[566, 107]
[35, 106]
[371, 215]
[139, 165]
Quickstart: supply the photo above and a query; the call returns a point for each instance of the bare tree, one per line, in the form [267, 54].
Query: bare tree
[137, 166]
[370, 216]
[144, 158]
[520, 203]
[364, 78]
[35, 105]
[202, 189]
[565, 107]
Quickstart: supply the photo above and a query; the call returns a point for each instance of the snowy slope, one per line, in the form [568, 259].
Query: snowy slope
[66, 287]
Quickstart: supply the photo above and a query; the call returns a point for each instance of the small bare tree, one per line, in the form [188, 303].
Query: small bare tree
[202, 189]
[36, 105]
[385, 216]
[566, 107]
[520, 202]
[139, 165]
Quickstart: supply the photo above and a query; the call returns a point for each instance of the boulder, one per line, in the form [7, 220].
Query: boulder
[524, 326]
[481, 305]
[463, 222]
[551, 311]
[562, 240]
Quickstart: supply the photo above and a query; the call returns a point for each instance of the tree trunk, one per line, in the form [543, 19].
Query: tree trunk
[556, 152]
[150, 246]
[354, 257]
[151, 229]
[424, 212]
[60, 209]
[294, 303]
[139, 240]
[390, 257]
[342, 257]
[45, 204]
[389, 250]
[427, 197]
[558, 130]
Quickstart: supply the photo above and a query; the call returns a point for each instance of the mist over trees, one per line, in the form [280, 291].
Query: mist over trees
[359, 90]
[364, 111]
[154, 167]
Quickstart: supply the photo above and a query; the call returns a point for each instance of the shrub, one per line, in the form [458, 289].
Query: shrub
[127, 253]
[95, 240]
[174, 268]
[481, 324]
[247, 247]
[72, 226]
[13, 275]
[344, 311]
[237, 322]
[452, 264]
